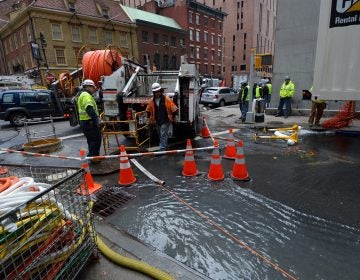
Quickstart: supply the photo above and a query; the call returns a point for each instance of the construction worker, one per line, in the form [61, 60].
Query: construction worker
[267, 90]
[161, 110]
[244, 98]
[287, 91]
[258, 91]
[317, 109]
[89, 118]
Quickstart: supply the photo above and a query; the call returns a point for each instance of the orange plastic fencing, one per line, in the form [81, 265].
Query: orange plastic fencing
[343, 118]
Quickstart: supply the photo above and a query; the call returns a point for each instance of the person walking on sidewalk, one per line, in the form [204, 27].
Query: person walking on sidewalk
[244, 97]
[161, 110]
[89, 118]
[317, 109]
[287, 91]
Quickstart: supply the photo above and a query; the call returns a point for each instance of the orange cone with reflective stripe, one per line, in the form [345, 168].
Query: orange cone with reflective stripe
[126, 176]
[205, 132]
[90, 186]
[230, 150]
[216, 172]
[189, 168]
[239, 171]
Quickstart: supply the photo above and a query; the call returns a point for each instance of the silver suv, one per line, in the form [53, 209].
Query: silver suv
[219, 96]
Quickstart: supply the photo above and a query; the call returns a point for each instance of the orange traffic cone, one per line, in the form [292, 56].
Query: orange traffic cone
[205, 132]
[126, 176]
[216, 172]
[90, 186]
[189, 168]
[230, 150]
[239, 171]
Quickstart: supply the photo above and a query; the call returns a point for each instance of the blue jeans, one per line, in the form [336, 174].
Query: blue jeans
[163, 132]
[244, 108]
[287, 102]
[267, 100]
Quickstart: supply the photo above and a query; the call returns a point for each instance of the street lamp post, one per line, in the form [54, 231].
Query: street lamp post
[250, 114]
[43, 47]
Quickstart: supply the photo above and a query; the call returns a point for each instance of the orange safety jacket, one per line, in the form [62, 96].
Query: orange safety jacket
[170, 109]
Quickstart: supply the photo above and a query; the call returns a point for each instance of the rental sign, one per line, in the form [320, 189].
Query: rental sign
[344, 13]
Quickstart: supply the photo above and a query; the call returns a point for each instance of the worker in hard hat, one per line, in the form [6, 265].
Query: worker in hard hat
[161, 110]
[287, 91]
[89, 118]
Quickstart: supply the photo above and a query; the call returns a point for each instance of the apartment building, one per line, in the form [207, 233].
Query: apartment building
[204, 28]
[250, 24]
[161, 40]
[46, 35]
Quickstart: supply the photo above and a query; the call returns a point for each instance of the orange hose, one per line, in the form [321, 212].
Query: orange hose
[66, 83]
[4, 183]
[100, 63]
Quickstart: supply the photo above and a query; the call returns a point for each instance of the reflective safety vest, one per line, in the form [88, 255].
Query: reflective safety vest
[313, 99]
[170, 109]
[247, 98]
[287, 90]
[85, 99]
[269, 87]
[258, 92]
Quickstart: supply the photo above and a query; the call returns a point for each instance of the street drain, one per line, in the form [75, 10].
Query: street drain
[108, 199]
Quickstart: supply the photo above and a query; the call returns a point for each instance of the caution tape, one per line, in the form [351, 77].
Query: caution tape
[170, 152]
[38, 154]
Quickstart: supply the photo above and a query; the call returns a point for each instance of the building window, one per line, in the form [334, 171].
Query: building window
[205, 54]
[198, 52]
[165, 40]
[173, 41]
[157, 60]
[206, 20]
[197, 19]
[205, 36]
[60, 56]
[190, 17]
[123, 40]
[212, 69]
[206, 68]
[75, 34]
[219, 69]
[260, 17]
[108, 38]
[219, 40]
[197, 36]
[244, 56]
[219, 55]
[192, 52]
[93, 36]
[212, 23]
[144, 36]
[156, 38]
[212, 54]
[166, 62]
[174, 62]
[220, 25]
[56, 31]
[191, 33]
[243, 67]
[212, 39]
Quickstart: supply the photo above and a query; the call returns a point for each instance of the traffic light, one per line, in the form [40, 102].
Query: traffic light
[42, 40]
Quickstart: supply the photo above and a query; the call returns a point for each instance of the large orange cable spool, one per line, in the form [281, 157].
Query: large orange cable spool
[100, 63]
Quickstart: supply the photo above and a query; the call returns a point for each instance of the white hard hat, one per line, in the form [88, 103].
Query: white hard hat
[287, 77]
[156, 87]
[88, 82]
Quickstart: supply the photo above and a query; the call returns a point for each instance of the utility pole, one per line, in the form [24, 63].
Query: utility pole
[43, 47]
[250, 114]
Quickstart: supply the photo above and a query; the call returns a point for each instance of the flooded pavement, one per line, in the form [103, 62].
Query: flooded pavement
[298, 218]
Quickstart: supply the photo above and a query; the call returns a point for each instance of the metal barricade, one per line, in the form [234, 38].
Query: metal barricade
[136, 129]
[46, 228]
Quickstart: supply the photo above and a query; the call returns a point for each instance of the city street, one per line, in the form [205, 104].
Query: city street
[295, 201]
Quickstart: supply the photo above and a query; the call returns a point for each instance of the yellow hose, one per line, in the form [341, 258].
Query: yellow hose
[131, 263]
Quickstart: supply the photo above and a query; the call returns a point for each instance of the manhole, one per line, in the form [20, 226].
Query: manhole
[108, 199]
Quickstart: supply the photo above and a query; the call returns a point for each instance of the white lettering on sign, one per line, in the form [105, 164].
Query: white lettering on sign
[343, 5]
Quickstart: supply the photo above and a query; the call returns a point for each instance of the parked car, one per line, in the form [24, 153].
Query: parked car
[219, 96]
[18, 105]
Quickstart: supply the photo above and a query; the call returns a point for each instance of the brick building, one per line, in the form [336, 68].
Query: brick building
[204, 28]
[160, 39]
[67, 26]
